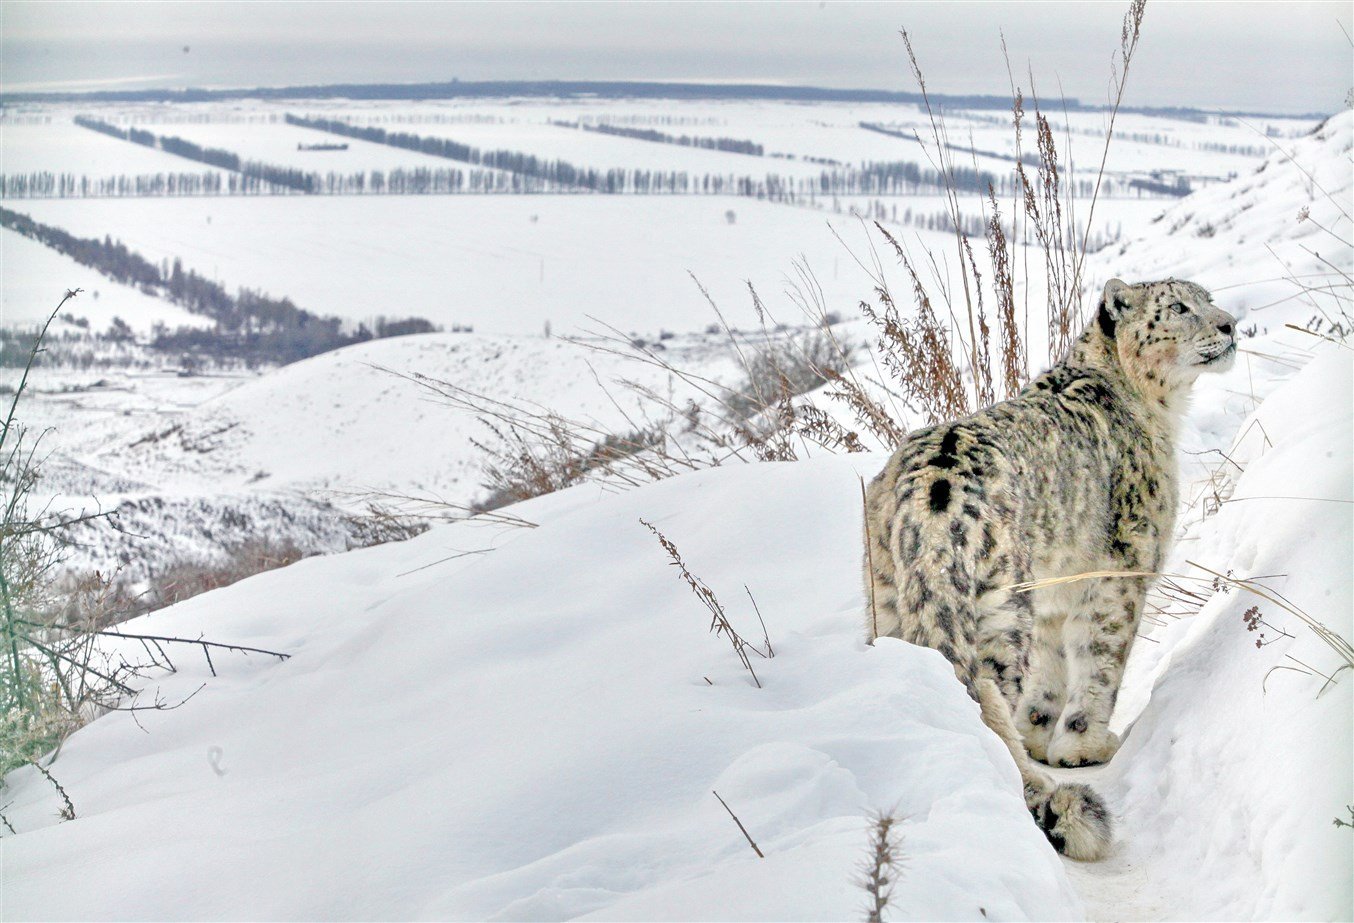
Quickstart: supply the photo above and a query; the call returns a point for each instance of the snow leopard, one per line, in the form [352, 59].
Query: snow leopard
[1075, 474]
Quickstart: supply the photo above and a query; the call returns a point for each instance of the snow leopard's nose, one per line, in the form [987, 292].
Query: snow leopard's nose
[1223, 323]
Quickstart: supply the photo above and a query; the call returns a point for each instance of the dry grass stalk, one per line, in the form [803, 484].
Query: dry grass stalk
[67, 806]
[407, 507]
[744, 830]
[942, 359]
[917, 353]
[879, 871]
[1014, 363]
[719, 622]
[1129, 35]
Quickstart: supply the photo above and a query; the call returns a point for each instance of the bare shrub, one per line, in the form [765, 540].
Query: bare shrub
[378, 524]
[58, 667]
[186, 579]
[44, 674]
[521, 463]
[953, 378]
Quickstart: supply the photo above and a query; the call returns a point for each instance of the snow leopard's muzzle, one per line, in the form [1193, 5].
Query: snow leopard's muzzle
[1215, 345]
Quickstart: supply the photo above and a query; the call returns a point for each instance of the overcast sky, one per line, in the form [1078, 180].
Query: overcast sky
[1275, 56]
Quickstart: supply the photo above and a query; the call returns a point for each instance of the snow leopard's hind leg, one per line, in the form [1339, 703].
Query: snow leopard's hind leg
[1045, 689]
[1073, 817]
[1097, 641]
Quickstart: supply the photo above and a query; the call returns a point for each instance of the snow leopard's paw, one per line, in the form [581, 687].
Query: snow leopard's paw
[1077, 745]
[1035, 724]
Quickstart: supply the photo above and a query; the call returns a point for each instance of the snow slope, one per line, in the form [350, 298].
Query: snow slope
[34, 277]
[342, 420]
[1240, 761]
[535, 733]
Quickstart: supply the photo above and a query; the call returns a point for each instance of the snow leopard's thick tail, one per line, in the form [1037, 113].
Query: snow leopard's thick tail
[1075, 821]
[1072, 816]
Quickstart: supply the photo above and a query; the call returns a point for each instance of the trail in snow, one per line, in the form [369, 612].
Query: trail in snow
[1231, 775]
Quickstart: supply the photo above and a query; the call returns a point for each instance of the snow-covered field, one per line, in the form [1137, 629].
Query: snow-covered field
[508, 264]
[503, 264]
[533, 730]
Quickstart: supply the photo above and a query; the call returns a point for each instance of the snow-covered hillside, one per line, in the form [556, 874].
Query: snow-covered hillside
[196, 465]
[343, 420]
[534, 731]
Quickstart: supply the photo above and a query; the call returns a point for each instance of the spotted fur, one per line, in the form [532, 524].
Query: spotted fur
[1075, 474]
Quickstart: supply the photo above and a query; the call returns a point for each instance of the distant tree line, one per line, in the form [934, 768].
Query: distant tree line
[731, 145]
[554, 174]
[1029, 159]
[45, 185]
[248, 324]
[882, 178]
[283, 177]
[1177, 187]
[92, 124]
[874, 178]
[1245, 150]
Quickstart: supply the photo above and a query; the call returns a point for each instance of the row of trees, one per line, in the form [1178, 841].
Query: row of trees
[267, 173]
[731, 145]
[46, 185]
[873, 178]
[889, 178]
[248, 324]
[400, 181]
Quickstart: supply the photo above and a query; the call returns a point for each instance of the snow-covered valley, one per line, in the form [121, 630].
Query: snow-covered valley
[498, 722]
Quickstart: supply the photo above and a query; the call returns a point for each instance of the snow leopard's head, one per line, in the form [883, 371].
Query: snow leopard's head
[1166, 333]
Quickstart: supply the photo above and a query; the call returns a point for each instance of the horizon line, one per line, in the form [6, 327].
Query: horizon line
[562, 88]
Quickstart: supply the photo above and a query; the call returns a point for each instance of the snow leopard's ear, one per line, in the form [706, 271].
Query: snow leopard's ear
[1113, 305]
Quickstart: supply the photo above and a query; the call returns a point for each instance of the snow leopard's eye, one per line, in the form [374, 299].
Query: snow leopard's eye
[1179, 308]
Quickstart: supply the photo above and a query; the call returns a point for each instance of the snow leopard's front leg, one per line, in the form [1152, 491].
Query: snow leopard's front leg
[1096, 641]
